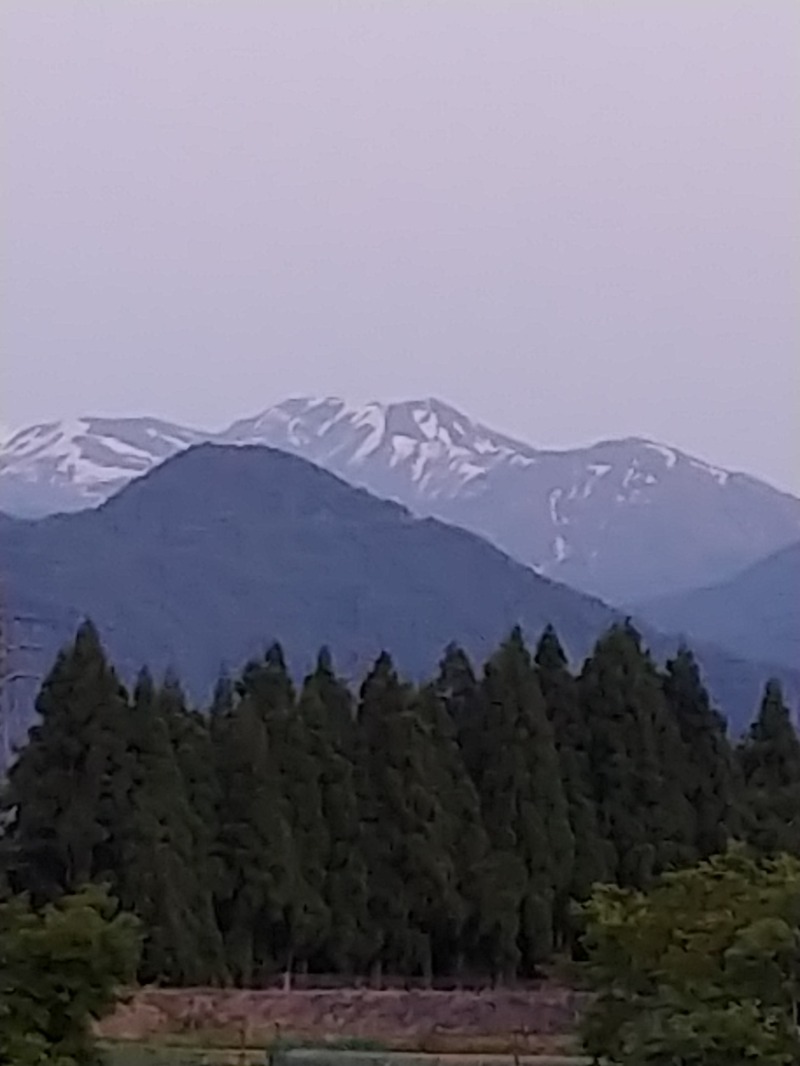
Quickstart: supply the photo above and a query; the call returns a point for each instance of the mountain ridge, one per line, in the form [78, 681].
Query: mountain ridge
[626, 520]
[204, 561]
[755, 609]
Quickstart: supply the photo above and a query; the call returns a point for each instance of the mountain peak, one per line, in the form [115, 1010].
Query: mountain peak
[624, 519]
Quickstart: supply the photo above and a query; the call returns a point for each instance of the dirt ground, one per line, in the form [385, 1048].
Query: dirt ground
[523, 1020]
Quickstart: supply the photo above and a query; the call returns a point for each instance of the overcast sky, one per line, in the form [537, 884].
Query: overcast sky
[573, 220]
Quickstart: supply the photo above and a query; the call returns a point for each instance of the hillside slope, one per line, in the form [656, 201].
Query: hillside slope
[627, 520]
[754, 614]
[221, 550]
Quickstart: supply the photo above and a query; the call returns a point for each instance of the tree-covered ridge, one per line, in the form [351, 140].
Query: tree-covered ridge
[431, 829]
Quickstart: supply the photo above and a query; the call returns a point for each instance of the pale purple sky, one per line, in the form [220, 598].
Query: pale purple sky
[573, 220]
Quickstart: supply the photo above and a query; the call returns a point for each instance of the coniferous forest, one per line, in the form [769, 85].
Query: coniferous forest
[438, 829]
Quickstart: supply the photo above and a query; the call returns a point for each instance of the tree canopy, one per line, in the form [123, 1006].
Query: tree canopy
[61, 967]
[434, 828]
[703, 969]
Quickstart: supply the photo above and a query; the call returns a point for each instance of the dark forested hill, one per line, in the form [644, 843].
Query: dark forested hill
[626, 520]
[222, 549]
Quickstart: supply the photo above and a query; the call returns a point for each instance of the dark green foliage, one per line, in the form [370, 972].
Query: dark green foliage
[570, 716]
[465, 839]
[164, 875]
[523, 802]
[770, 762]
[702, 970]
[635, 759]
[707, 768]
[257, 860]
[432, 829]
[401, 819]
[326, 711]
[69, 784]
[60, 968]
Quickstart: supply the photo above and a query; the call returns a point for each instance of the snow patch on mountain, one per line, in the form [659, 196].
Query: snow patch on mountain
[669, 454]
[623, 519]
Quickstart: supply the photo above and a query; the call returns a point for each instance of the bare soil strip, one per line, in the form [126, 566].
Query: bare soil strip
[437, 1022]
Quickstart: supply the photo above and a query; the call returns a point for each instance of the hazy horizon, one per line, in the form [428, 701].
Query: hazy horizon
[572, 222]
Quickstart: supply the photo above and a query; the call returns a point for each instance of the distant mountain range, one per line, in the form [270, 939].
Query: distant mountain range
[220, 550]
[754, 614]
[626, 520]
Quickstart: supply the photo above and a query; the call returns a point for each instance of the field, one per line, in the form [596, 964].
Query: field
[167, 1055]
[344, 1027]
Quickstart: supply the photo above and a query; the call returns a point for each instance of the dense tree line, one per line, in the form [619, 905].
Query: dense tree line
[437, 828]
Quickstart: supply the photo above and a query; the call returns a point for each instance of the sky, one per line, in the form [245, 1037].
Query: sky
[573, 220]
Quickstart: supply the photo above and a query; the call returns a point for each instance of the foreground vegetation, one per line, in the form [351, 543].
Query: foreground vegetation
[460, 826]
[60, 968]
[702, 970]
[432, 829]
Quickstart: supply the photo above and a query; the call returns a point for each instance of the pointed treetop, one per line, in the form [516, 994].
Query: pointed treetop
[455, 668]
[144, 689]
[324, 661]
[172, 684]
[384, 664]
[222, 700]
[382, 673]
[87, 637]
[773, 716]
[274, 657]
[87, 644]
[683, 667]
[622, 638]
[514, 646]
[550, 654]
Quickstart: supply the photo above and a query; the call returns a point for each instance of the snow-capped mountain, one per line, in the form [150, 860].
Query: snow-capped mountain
[626, 520]
[72, 465]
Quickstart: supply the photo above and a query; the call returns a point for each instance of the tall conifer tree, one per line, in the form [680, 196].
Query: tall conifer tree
[163, 874]
[522, 797]
[68, 785]
[256, 853]
[707, 768]
[770, 761]
[634, 752]
[326, 707]
[412, 875]
[462, 837]
[593, 860]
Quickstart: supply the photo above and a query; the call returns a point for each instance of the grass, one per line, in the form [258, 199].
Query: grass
[335, 1053]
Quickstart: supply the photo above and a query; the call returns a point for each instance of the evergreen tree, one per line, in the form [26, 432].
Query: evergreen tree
[462, 836]
[161, 876]
[304, 752]
[707, 767]
[382, 696]
[770, 762]
[458, 687]
[441, 826]
[593, 859]
[255, 849]
[326, 707]
[523, 802]
[413, 879]
[635, 751]
[68, 786]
